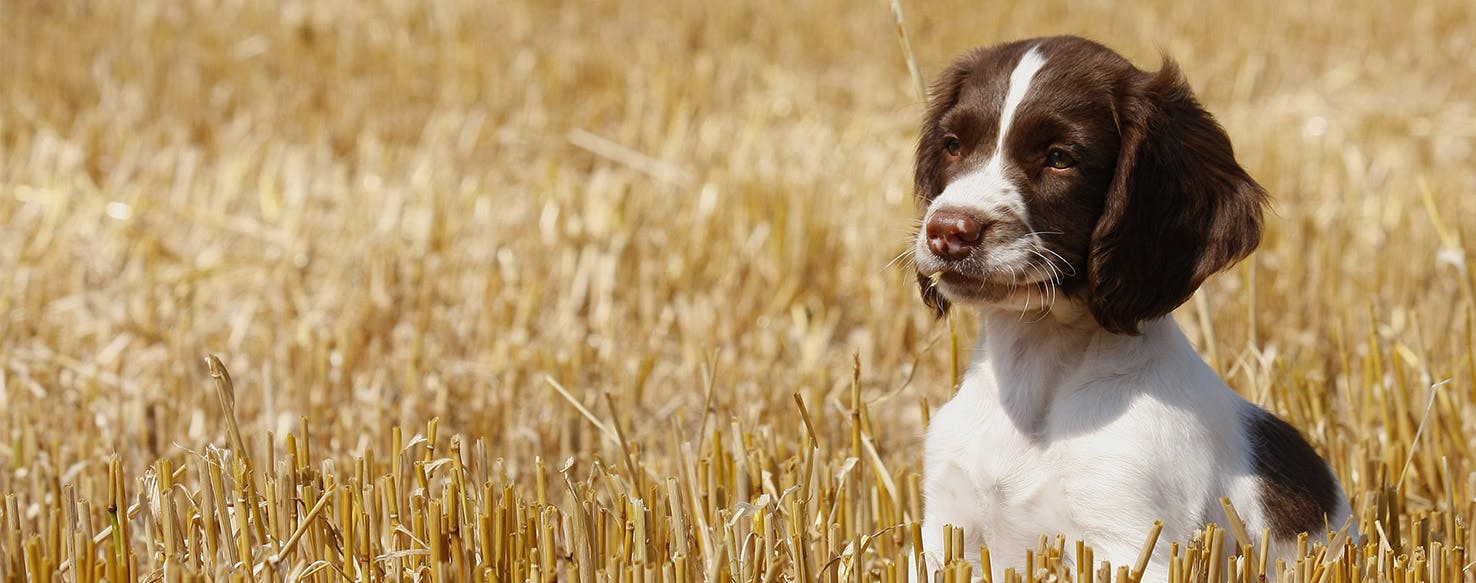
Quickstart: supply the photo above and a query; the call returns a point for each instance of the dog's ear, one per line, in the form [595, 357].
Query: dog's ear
[931, 297]
[1178, 209]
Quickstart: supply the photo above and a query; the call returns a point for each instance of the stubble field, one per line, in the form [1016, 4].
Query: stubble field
[521, 290]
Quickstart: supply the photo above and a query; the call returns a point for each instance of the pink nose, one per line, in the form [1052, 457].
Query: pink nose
[954, 232]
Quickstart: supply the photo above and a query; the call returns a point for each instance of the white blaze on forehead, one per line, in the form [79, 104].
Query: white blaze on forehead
[987, 189]
[1020, 79]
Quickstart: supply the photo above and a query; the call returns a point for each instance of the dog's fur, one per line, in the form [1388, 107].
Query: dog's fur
[1097, 198]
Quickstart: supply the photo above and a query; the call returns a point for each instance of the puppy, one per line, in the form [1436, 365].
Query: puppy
[1076, 200]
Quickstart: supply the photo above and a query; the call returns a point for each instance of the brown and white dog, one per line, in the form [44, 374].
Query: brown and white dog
[1076, 201]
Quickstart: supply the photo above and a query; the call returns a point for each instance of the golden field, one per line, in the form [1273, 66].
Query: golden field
[521, 290]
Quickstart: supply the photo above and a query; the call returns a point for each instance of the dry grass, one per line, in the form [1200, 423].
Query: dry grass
[522, 290]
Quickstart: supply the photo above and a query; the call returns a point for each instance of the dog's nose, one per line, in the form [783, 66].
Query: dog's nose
[954, 233]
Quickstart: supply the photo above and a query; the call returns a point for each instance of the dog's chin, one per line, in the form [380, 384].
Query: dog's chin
[977, 292]
[966, 289]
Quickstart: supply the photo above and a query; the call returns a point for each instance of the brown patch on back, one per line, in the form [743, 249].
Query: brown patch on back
[1297, 488]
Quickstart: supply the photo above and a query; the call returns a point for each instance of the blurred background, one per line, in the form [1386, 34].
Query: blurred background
[680, 216]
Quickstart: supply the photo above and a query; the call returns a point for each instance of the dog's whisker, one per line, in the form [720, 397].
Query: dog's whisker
[1041, 268]
[1050, 292]
[905, 254]
[1013, 286]
[1047, 295]
[1063, 260]
[1051, 271]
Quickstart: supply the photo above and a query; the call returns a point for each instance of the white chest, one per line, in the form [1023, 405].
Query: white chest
[1093, 440]
[1002, 486]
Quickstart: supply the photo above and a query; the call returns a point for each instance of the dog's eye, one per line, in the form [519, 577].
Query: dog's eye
[1059, 159]
[952, 145]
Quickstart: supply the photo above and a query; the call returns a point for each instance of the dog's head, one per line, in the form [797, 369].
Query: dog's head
[1055, 169]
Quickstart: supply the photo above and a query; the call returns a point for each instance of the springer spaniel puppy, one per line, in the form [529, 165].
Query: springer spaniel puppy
[1076, 200]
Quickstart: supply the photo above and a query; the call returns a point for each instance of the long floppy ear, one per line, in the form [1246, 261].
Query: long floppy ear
[1178, 210]
[927, 179]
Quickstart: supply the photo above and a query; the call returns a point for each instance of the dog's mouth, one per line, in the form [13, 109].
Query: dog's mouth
[1007, 272]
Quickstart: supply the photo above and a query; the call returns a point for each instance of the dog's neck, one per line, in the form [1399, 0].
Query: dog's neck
[1025, 364]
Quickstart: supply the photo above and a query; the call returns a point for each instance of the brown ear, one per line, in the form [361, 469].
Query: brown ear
[1179, 208]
